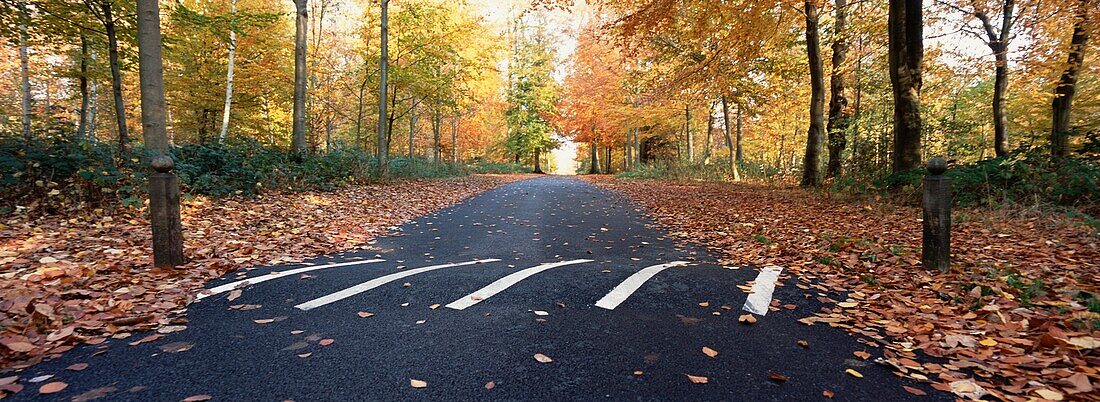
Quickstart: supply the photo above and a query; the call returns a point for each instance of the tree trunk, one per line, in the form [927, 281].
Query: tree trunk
[687, 134]
[437, 123]
[729, 140]
[708, 137]
[383, 83]
[92, 100]
[628, 148]
[607, 163]
[815, 136]
[1066, 87]
[229, 73]
[25, 75]
[151, 77]
[906, 54]
[454, 139]
[359, 114]
[594, 167]
[740, 137]
[1000, 120]
[301, 29]
[412, 130]
[116, 75]
[82, 125]
[838, 103]
[538, 160]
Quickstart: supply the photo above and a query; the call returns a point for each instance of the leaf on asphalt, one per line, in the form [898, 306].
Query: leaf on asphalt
[298, 331]
[777, 377]
[638, 373]
[40, 378]
[264, 321]
[233, 295]
[77, 367]
[94, 394]
[406, 284]
[21, 347]
[305, 355]
[543, 358]
[854, 373]
[710, 352]
[8, 380]
[914, 391]
[803, 343]
[862, 355]
[704, 304]
[490, 385]
[541, 313]
[418, 383]
[828, 394]
[362, 314]
[176, 347]
[198, 398]
[150, 338]
[747, 319]
[697, 379]
[326, 342]
[52, 387]
[434, 306]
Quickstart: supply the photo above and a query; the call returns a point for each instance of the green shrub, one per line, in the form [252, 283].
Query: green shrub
[481, 166]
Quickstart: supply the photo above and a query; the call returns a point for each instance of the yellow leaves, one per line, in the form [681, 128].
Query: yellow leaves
[847, 304]
[1049, 394]
[988, 342]
[853, 373]
[1084, 342]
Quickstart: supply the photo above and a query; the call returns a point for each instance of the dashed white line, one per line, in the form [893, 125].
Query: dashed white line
[760, 296]
[275, 275]
[506, 282]
[631, 284]
[373, 283]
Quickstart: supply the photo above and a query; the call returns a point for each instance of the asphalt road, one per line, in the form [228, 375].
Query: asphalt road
[478, 333]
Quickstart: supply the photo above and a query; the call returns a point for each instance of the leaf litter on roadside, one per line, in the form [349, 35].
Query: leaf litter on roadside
[1015, 317]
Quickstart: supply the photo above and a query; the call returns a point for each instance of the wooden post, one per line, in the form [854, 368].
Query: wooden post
[164, 208]
[936, 247]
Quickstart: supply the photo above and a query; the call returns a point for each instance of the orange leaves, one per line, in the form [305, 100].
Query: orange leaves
[81, 279]
[862, 264]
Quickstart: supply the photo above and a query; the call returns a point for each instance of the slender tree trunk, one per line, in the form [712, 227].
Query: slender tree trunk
[229, 72]
[1066, 87]
[412, 130]
[538, 160]
[93, 96]
[906, 54]
[687, 134]
[116, 75]
[301, 29]
[815, 136]
[359, 114]
[82, 125]
[454, 139]
[729, 140]
[627, 148]
[607, 162]
[25, 75]
[437, 123]
[708, 137]
[594, 167]
[1000, 120]
[383, 87]
[838, 103]
[740, 137]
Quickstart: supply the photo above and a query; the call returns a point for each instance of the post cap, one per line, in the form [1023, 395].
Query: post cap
[162, 163]
[937, 165]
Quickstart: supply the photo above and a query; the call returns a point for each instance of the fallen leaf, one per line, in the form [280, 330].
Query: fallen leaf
[21, 347]
[198, 398]
[803, 343]
[543, 358]
[52, 387]
[828, 394]
[305, 355]
[77, 367]
[490, 385]
[233, 295]
[1084, 342]
[264, 321]
[418, 383]
[747, 319]
[854, 373]
[176, 347]
[364, 314]
[914, 391]
[710, 352]
[777, 377]
[697, 379]
[638, 373]
[1049, 394]
[434, 306]
[862, 355]
[704, 304]
[326, 342]
[988, 342]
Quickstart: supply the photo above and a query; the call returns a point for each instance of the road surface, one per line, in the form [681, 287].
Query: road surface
[465, 298]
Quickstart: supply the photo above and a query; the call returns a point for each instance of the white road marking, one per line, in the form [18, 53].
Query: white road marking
[631, 284]
[504, 283]
[276, 275]
[760, 296]
[373, 283]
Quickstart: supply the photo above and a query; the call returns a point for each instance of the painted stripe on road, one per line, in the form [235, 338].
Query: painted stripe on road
[760, 296]
[506, 282]
[631, 284]
[276, 275]
[373, 283]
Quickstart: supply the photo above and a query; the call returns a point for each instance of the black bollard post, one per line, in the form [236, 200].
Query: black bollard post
[164, 207]
[936, 248]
